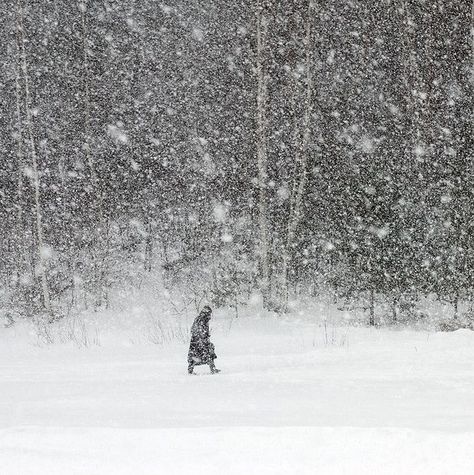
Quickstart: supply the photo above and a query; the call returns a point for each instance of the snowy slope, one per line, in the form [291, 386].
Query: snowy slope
[291, 399]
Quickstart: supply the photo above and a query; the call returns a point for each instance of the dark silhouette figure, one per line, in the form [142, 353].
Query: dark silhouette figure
[201, 350]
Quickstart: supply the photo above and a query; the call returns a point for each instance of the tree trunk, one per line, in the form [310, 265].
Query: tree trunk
[85, 58]
[34, 163]
[20, 247]
[395, 308]
[456, 304]
[262, 154]
[148, 241]
[372, 308]
[301, 158]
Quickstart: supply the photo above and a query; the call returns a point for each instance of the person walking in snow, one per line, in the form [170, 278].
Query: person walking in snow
[201, 350]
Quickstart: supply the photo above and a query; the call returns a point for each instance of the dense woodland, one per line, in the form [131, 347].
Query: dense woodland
[287, 147]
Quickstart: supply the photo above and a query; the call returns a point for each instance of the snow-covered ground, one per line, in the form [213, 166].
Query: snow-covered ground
[292, 398]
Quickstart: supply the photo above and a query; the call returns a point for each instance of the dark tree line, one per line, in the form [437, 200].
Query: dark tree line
[287, 147]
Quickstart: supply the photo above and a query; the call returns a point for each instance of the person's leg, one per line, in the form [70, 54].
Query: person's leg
[213, 368]
[190, 367]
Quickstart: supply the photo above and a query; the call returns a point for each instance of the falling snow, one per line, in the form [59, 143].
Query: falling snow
[304, 168]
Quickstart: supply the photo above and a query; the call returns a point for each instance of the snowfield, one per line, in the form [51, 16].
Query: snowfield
[292, 398]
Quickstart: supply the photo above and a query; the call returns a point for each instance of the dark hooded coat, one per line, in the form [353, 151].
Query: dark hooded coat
[201, 350]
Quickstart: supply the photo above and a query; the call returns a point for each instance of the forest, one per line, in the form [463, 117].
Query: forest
[286, 148]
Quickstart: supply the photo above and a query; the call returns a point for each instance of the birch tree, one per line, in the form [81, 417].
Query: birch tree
[19, 154]
[301, 160]
[262, 150]
[41, 249]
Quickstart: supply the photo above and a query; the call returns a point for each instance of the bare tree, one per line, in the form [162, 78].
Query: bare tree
[20, 159]
[83, 8]
[34, 163]
[262, 149]
[301, 159]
